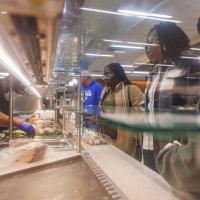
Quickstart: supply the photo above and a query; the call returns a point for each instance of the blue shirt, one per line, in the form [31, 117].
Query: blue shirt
[91, 94]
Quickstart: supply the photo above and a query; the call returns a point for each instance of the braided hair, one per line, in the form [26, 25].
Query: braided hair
[173, 40]
[119, 72]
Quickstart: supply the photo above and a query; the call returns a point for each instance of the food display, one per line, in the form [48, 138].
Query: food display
[93, 138]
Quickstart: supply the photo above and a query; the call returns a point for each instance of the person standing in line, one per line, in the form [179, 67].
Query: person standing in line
[91, 89]
[175, 80]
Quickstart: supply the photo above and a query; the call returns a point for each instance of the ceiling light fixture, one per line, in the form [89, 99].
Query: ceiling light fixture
[2, 77]
[116, 41]
[128, 72]
[135, 13]
[97, 75]
[4, 74]
[141, 43]
[127, 47]
[4, 12]
[160, 19]
[99, 55]
[7, 61]
[127, 66]
[195, 49]
[151, 64]
[104, 11]
[119, 51]
[129, 15]
[188, 57]
[141, 72]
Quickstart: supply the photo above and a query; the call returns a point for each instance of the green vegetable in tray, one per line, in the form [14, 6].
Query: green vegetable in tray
[50, 133]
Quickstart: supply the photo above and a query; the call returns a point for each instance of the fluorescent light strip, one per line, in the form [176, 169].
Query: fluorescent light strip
[128, 72]
[7, 61]
[4, 74]
[141, 72]
[188, 57]
[141, 43]
[97, 75]
[138, 43]
[117, 41]
[99, 55]
[164, 65]
[160, 19]
[119, 51]
[135, 13]
[104, 11]
[126, 47]
[124, 14]
[2, 77]
[144, 64]
[195, 49]
[127, 66]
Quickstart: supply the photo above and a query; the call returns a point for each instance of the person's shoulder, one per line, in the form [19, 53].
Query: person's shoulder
[97, 84]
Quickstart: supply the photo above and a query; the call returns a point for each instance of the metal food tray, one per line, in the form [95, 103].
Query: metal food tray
[66, 179]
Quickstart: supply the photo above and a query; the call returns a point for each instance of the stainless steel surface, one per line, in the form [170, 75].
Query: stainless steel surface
[11, 108]
[70, 180]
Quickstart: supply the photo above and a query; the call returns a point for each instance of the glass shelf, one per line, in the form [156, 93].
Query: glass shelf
[176, 121]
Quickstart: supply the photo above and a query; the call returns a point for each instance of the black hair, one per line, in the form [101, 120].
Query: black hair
[173, 40]
[119, 72]
[198, 25]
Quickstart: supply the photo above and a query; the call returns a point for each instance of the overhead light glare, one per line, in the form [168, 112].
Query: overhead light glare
[128, 72]
[2, 77]
[141, 72]
[135, 13]
[104, 11]
[127, 47]
[99, 55]
[35, 91]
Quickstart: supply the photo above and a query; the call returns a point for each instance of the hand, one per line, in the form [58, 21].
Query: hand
[28, 128]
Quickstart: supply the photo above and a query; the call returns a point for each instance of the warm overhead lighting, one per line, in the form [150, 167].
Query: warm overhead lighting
[126, 47]
[116, 41]
[7, 61]
[119, 51]
[99, 55]
[4, 74]
[127, 66]
[151, 64]
[4, 12]
[135, 13]
[188, 57]
[195, 49]
[104, 11]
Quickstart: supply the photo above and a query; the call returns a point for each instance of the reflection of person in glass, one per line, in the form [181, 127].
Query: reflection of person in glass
[180, 165]
[175, 78]
[119, 92]
[176, 81]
